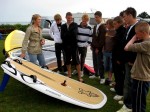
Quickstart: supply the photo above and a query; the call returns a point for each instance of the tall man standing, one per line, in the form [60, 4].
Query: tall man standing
[130, 19]
[98, 40]
[69, 33]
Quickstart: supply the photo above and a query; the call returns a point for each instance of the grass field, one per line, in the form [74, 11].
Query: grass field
[18, 97]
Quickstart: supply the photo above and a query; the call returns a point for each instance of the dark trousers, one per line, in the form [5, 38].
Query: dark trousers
[128, 86]
[82, 56]
[58, 51]
[71, 54]
[139, 92]
[119, 75]
[98, 63]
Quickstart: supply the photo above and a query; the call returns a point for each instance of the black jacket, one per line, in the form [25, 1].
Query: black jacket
[98, 40]
[118, 49]
[129, 56]
[69, 35]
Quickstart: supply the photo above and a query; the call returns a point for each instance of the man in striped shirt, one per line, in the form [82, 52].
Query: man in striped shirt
[84, 39]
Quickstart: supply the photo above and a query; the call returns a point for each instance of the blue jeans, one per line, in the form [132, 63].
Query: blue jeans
[37, 57]
[107, 61]
[98, 63]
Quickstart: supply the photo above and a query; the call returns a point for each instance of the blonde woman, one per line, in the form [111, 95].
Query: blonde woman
[33, 42]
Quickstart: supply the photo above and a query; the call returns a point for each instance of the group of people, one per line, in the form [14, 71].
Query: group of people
[121, 47]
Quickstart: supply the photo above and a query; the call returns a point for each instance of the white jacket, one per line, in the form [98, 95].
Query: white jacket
[55, 33]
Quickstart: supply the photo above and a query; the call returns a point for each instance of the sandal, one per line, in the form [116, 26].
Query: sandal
[81, 80]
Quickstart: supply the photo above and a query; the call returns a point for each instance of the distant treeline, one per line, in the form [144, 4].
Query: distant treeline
[7, 28]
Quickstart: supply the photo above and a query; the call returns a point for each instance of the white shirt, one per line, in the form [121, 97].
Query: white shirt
[55, 33]
[97, 26]
[129, 30]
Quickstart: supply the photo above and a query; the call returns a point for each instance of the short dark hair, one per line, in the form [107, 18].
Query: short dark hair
[132, 11]
[121, 13]
[98, 13]
[68, 14]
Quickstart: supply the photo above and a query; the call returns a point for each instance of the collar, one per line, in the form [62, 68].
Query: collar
[83, 26]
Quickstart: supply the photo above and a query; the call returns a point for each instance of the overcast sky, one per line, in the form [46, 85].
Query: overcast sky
[22, 10]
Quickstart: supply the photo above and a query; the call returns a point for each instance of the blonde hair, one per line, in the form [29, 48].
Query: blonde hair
[85, 16]
[34, 17]
[57, 17]
[142, 26]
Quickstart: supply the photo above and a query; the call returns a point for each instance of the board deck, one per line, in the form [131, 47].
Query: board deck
[74, 89]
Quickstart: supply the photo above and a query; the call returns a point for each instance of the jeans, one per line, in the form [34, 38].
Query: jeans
[128, 86]
[98, 63]
[139, 92]
[40, 57]
[107, 61]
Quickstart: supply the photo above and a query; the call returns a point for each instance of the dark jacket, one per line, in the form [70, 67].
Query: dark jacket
[98, 40]
[69, 35]
[118, 48]
[129, 56]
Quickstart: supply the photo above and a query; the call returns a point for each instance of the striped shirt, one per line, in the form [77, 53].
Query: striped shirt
[84, 37]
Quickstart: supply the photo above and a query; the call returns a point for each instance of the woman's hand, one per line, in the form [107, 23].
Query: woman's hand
[42, 41]
[22, 55]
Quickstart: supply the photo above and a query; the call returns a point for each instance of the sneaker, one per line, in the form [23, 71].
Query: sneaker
[124, 109]
[92, 77]
[120, 102]
[118, 97]
[66, 72]
[82, 74]
[102, 81]
[112, 84]
[112, 89]
[58, 72]
[74, 72]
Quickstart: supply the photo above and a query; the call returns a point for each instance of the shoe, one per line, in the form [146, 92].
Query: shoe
[118, 97]
[107, 81]
[82, 74]
[120, 102]
[58, 72]
[81, 80]
[92, 77]
[124, 109]
[112, 89]
[66, 72]
[102, 81]
[112, 84]
[74, 72]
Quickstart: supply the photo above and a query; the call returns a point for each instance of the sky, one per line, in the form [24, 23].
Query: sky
[22, 10]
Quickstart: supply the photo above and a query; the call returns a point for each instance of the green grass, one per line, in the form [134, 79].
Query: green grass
[18, 97]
